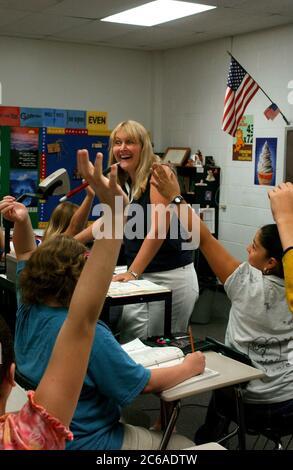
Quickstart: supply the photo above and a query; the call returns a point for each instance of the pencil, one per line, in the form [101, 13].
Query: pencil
[191, 339]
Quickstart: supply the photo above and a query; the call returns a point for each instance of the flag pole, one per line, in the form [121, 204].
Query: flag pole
[285, 119]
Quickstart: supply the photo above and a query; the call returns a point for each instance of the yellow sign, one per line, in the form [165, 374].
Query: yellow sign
[97, 120]
[54, 147]
[55, 130]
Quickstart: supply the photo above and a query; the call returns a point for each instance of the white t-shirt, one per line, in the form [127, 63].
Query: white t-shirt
[261, 325]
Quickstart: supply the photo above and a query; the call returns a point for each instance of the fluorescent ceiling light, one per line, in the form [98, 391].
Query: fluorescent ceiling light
[159, 11]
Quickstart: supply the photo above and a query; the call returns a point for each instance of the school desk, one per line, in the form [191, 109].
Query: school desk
[231, 373]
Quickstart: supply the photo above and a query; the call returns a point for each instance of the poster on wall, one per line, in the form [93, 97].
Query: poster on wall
[24, 155]
[24, 145]
[25, 181]
[28, 154]
[265, 161]
[242, 147]
[58, 150]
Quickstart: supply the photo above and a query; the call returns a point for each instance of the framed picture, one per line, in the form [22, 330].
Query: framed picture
[176, 155]
[209, 161]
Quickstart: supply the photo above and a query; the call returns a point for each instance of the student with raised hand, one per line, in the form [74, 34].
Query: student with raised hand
[260, 323]
[281, 199]
[68, 218]
[43, 421]
[113, 380]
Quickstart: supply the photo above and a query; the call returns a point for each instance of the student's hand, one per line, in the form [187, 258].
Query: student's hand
[196, 362]
[105, 188]
[166, 184]
[281, 199]
[12, 210]
[123, 277]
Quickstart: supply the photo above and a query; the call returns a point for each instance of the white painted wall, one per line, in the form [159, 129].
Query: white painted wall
[194, 87]
[71, 76]
[177, 94]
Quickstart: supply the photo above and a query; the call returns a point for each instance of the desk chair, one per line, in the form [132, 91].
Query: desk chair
[235, 392]
[16, 399]
[281, 427]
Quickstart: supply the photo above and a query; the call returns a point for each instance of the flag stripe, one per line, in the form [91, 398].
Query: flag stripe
[229, 110]
[228, 98]
[241, 88]
[246, 95]
[240, 110]
[242, 98]
[242, 106]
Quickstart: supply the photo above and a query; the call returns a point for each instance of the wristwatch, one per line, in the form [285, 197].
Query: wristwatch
[135, 275]
[177, 199]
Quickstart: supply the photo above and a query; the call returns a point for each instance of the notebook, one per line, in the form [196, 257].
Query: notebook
[162, 357]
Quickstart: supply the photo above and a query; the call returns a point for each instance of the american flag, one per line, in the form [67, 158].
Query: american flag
[272, 111]
[241, 88]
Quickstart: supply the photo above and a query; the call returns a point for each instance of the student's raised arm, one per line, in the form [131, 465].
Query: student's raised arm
[221, 262]
[281, 199]
[93, 175]
[60, 386]
[23, 235]
[79, 219]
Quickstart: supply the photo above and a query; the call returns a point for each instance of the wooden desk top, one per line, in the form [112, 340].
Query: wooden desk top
[230, 372]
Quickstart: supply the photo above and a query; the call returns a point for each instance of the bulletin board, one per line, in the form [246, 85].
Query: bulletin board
[35, 142]
[58, 150]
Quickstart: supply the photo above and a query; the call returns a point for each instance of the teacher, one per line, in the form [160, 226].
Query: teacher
[151, 249]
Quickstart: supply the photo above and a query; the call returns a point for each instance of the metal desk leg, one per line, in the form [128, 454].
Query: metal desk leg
[171, 420]
[240, 417]
[168, 315]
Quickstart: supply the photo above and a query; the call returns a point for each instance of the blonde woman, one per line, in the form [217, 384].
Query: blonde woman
[149, 255]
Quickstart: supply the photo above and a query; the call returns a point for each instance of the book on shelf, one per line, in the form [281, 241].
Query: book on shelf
[162, 357]
[141, 286]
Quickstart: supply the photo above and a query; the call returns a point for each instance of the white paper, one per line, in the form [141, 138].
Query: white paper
[166, 356]
[141, 286]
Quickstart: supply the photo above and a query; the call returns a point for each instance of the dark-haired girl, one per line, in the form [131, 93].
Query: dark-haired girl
[260, 323]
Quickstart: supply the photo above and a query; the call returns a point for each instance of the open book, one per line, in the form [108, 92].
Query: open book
[162, 357]
[141, 286]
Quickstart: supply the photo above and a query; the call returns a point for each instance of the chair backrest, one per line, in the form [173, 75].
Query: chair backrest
[16, 399]
[222, 348]
[281, 426]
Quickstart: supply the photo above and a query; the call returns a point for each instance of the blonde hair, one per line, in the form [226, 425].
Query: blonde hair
[60, 219]
[135, 131]
[52, 271]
